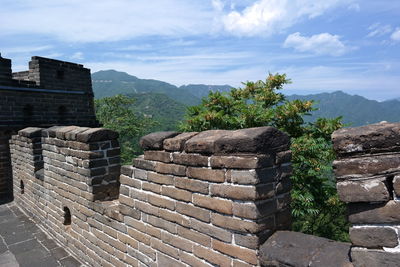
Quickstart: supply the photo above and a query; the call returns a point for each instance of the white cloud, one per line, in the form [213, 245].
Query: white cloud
[396, 35]
[26, 49]
[218, 5]
[77, 56]
[377, 29]
[102, 20]
[271, 16]
[320, 44]
[355, 7]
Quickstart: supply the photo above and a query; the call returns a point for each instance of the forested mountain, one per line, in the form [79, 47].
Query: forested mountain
[356, 110]
[111, 82]
[202, 90]
[166, 103]
[164, 110]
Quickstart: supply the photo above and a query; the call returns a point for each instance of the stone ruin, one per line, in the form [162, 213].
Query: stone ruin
[214, 198]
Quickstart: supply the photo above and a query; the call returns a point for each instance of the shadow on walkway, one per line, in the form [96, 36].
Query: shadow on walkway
[23, 244]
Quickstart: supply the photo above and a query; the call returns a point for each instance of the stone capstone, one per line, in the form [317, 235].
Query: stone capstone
[154, 141]
[31, 132]
[177, 143]
[372, 138]
[285, 248]
[261, 140]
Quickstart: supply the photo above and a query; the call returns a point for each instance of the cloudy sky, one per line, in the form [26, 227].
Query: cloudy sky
[322, 45]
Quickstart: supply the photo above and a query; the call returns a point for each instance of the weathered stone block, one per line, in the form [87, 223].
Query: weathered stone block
[243, 192]
[154, 141]
[286, 248]
[254, 211]
[192, 185]
[31, 132]
[160, 178]
[374, 237]
[396, 185]
[192, 211]
[371, 190]
[175, 193]
[195, 160]
[374, 258]
[158, 156]
[242, 162]
[240, 225]
[252, 140]
[372, 138]
[220, 205]
[61, 132]
[177, 143]
[173, 169]
[375, 213]
[367, 166]
[206, 174]
[141, 163]
[257, 176]
[247, 255]
[96, 134]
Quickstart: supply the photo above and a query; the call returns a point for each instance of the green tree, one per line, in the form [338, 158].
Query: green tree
[315, 206]
[116, 113]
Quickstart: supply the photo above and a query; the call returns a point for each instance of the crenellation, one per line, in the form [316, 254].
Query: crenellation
[366, 175]
[156, 211]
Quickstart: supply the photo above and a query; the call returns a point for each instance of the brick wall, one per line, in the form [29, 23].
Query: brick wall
[5, 166]
[51, 92]
[19, 109]
[194, 199]
[368, 179]
[59, 75]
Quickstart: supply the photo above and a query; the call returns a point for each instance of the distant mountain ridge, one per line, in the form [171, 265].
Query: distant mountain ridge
[356, 110]
[202, 90]
[111, 82]
[166, 102]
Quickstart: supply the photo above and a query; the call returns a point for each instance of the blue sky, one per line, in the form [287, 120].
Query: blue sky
[322, 45]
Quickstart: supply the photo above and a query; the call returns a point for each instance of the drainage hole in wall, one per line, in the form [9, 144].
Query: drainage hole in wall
[67, 216]
[22, 186]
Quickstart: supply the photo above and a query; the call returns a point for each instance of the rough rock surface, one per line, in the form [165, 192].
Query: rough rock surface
[388, 212]
[154, 141]
[363, 190]
[372, 138]
[374, 258]
[252, 140]
[286, 248]
[374, 237]
[177, 143]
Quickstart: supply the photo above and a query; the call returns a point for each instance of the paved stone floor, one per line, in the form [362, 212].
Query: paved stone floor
[22, 243]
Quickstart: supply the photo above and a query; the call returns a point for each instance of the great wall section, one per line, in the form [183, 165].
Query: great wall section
[214, 198]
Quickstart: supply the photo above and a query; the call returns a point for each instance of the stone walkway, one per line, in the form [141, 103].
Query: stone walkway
[22, 243]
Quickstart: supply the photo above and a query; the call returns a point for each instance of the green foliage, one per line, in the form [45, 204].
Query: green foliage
[116, 113]
[315, 206]
[165, 111]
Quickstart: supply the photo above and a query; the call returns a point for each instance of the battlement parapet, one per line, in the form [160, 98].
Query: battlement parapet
[209, 198]
[368, 179]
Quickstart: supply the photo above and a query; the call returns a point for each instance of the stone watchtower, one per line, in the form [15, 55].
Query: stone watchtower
[51, 92]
